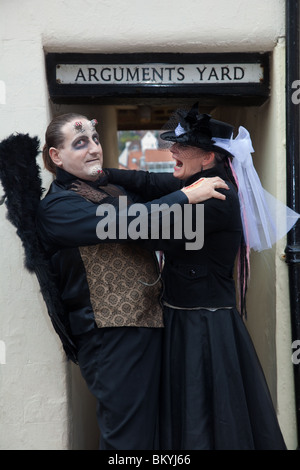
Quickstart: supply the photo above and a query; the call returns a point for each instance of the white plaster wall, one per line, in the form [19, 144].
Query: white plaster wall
[269, 320]
[34, 377]
[276, 143]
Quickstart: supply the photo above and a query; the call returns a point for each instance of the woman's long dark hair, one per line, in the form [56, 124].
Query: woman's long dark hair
[243, 262]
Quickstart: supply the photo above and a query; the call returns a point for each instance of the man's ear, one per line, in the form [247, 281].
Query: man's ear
[54, 155]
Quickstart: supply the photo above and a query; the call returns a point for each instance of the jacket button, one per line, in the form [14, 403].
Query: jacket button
[192, 272]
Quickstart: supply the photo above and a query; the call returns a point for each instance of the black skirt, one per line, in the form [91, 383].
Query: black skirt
[214, 393]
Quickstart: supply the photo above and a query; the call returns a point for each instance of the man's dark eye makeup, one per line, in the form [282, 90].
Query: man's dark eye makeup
[84, 139]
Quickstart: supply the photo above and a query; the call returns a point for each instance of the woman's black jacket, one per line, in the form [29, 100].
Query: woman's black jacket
[201, 277]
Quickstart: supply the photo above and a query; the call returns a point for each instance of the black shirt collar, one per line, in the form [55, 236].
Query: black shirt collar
[209, 173]
[64, 178]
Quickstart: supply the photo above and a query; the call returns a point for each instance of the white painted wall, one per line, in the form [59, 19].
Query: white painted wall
[35, 380]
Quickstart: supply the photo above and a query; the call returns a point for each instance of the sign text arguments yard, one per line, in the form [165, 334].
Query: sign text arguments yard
[158, 74]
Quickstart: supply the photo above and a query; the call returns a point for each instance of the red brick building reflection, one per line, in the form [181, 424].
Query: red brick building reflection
[145, 155]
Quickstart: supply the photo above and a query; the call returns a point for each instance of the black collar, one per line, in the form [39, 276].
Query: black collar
[65, 179]
[215, 171]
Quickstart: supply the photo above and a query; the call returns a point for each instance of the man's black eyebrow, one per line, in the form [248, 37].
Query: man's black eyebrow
[80, 137]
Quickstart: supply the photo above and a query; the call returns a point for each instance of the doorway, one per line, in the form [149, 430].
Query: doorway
[151, 115]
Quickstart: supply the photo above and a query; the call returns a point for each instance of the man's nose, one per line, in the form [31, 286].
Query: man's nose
[94, 147]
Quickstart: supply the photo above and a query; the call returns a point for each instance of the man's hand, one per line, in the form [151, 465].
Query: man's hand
[205, 188]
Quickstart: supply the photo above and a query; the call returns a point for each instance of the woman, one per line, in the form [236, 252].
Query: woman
[214, 394]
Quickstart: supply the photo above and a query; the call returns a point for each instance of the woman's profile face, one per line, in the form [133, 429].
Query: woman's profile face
[188, 160]
[81, 153]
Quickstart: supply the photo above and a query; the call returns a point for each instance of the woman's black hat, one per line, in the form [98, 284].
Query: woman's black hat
[198, 130]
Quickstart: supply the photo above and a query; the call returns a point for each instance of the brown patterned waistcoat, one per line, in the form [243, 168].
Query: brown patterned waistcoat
[123, 279]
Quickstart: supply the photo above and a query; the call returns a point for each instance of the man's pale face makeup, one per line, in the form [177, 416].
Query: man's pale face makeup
[81, 153]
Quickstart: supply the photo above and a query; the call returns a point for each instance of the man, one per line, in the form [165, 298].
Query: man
[110, 289]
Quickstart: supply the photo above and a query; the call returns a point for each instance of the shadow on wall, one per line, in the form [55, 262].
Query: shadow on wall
[86, 433]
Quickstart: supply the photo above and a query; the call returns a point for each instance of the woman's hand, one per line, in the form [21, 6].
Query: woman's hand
[205, 188]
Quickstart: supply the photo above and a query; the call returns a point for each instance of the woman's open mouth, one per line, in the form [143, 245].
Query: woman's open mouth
[178, 163]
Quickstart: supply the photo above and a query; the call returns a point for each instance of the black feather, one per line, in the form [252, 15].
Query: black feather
[22, 184]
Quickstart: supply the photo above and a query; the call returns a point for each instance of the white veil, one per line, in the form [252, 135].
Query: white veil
[265, 218]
